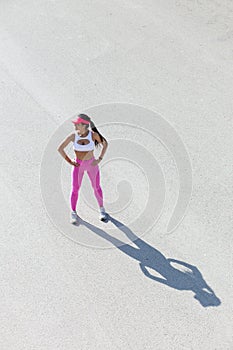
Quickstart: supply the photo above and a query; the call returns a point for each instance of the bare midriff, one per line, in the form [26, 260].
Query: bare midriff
[84, 155]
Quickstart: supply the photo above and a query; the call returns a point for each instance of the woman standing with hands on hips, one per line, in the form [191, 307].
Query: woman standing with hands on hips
[84, 139]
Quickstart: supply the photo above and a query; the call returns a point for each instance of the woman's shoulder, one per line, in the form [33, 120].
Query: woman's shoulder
[93, 135]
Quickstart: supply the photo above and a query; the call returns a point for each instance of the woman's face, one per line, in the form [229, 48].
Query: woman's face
[80, 128]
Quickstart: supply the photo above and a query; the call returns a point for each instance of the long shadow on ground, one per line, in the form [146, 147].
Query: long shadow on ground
[149, 257]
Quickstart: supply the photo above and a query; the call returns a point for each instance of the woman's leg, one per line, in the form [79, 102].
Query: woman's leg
[94, 175]
[77, 176]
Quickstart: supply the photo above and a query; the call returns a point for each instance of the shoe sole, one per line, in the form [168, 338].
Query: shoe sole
[104, 218]
[74, 221]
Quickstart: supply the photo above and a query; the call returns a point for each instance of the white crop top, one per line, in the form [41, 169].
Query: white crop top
[83, 148]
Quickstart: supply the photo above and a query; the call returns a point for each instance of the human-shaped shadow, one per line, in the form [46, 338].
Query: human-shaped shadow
[149, 257]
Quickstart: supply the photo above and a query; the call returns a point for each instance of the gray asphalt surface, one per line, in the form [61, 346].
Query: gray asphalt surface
[71, 288]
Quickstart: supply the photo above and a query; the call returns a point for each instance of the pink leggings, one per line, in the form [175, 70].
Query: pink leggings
[77, 176]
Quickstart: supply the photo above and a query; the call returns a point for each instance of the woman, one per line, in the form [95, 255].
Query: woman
[84, 140]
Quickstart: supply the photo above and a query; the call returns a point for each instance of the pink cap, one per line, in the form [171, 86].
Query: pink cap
[80, 120]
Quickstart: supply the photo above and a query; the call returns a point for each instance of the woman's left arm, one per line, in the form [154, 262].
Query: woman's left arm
[104, 144]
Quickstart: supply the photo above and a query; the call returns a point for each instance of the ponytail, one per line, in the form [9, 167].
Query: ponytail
[94, 128]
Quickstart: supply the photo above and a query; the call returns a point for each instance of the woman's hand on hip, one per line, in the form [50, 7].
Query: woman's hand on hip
[74, 163]
[96, 161]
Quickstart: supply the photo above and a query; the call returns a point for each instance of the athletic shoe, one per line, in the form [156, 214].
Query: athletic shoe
[74, 217]
[103, 215]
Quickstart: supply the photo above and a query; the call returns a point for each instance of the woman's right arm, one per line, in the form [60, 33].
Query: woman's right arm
[61, 147]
